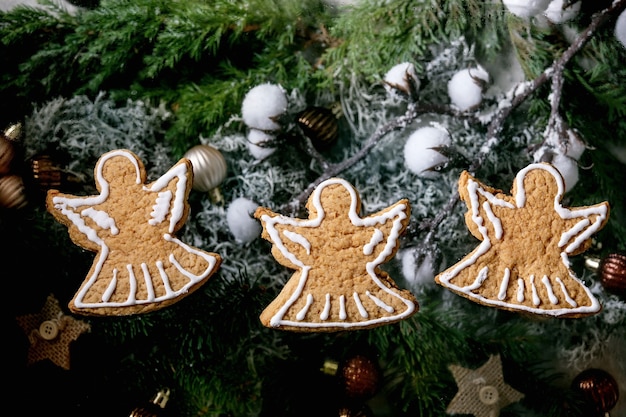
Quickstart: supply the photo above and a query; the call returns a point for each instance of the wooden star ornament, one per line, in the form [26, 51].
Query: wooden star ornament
[482, 392]
[50, 333]
[338, 284]
[527, 237]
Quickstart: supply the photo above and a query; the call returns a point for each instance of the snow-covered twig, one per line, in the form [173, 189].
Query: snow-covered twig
[521, 94]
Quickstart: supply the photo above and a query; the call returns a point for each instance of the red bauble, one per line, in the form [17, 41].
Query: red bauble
[360, 377]
[612, 273]
[598, 388]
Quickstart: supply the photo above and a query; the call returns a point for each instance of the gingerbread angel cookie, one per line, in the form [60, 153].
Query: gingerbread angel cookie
[338, 284]
[140, 265]
[522, 263]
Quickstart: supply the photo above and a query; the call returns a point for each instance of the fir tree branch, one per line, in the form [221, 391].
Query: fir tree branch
[414, 110]
[521, 93]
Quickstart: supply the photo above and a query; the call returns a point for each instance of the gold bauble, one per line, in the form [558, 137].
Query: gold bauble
[209, 167]
[320, 125]
[7, 152]
[12, 192]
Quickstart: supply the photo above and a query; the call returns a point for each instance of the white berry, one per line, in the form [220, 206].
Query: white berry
[466, 86]
[259, 144]
[419, 157]
[241, 222]
[402, 77]
[526, 8]
[263, 105]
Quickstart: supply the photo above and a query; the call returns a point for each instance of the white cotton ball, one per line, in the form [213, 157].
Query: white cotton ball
[263, 105]
[559, 11]
[400, 78]
[526, 8]
[241, 222]
[568, 169]
[465, 88]
[424, 273]
[419, 158]
[256, 139]
[620, 28]
[575, 146]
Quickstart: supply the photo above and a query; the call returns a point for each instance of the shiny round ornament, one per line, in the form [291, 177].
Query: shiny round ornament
[209, 167]
[612, 273]
[360, 376]
[355, 410]
[320, 125]
[598, 389]
[12, 192]
[155, 407]
[46, 172]
[7, 152]
[13, 133]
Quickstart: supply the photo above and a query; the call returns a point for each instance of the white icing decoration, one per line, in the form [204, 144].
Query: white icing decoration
[299, 239]
[106, 295]
[102, 219]
[380, 303]
[505, 284]
[397, 214]
[133, 285]
[480, 278]
[581, 232]
[520, 290]
[177, 210]
[148, 281]
[325, 313]
[302, 313]
[161, 207]
[497, 224]
[342, 307]
[568, 298]
[377, 237]
[359, 305]
[551, 295]
[536, 300]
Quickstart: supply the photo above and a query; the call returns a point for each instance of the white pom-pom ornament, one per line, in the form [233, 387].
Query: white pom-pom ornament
[421, 274]
[561, 11]
[241, 222]
[526, 8]
[465, 88]
[568, 169]
[263, 106]
[258, 144]
[402, 77]
[419, 155]
[620, 28]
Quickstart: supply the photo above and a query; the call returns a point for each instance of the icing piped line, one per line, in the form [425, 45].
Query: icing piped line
[299, 239]
[377, 237]
[553, 299]
[302, 313]
[505, 284]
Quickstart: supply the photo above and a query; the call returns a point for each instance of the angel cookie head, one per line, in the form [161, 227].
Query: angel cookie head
[336, 253]
[522, 262]
[140, 265]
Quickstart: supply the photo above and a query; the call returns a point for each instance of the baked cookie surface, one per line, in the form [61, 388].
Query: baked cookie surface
[140, 265]
[522, 263]
[336, 253]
